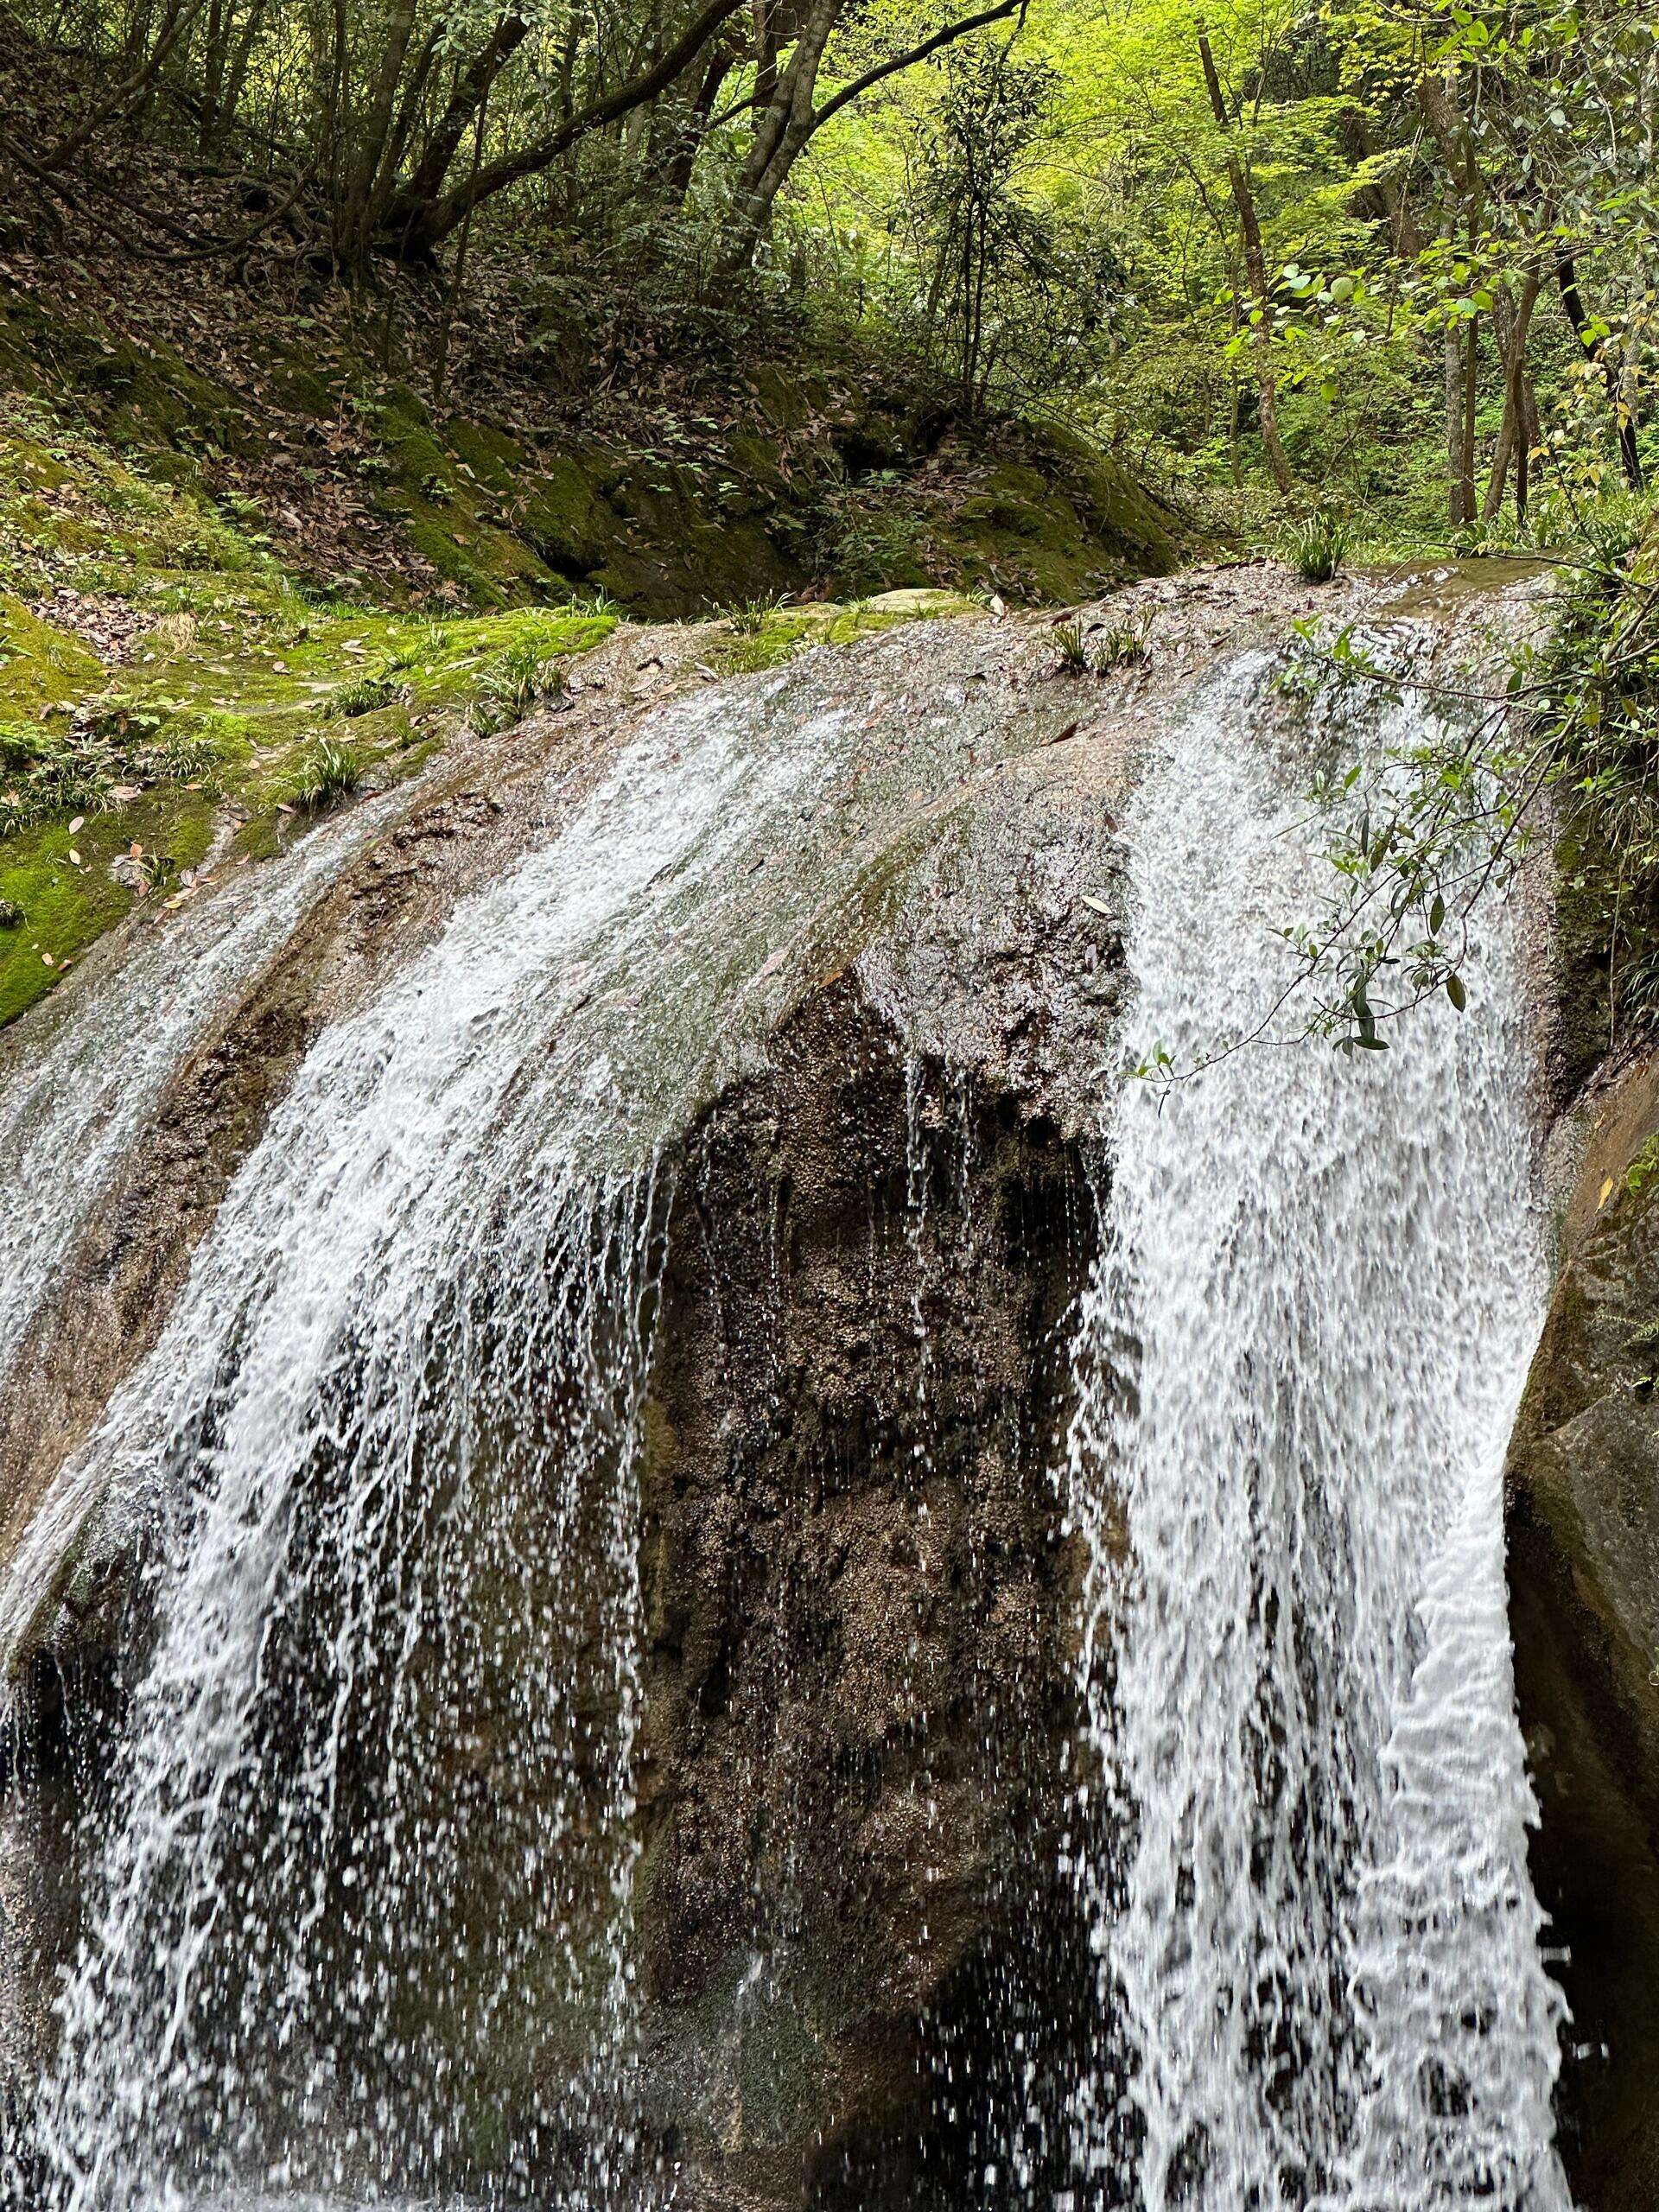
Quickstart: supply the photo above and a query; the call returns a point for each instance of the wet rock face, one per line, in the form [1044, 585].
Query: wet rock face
[857, 1968]
[1584, 1566]
[860, 1598]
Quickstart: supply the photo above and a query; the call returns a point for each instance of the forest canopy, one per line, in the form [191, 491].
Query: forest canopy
[1277, 254]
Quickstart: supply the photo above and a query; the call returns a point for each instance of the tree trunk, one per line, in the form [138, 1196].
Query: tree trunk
[1255, 267]
[419, 230]
[677, 182]
[351, 219]
[1511, 327]
[1630, 453]
[465, 103]
[766, 52]
[784, 127]
[1455, 514]
[1467, 447]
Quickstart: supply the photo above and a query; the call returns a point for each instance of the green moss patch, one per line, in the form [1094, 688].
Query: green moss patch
[173, 683]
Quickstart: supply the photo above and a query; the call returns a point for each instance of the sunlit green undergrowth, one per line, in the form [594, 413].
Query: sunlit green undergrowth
[761, 639]
[168, 690]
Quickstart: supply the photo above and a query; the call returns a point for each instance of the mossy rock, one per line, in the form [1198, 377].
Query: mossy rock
[504, 518]
[495, 458]
[298, 387]
[563, 518]
[64, 908]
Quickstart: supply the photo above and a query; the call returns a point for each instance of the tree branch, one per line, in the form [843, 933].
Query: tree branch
[419, 228]
[899, 61]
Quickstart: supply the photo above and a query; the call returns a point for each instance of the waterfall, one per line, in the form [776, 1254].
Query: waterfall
[364, 1881]
[1301, 1355]
[361, 1882]
[78, 1079]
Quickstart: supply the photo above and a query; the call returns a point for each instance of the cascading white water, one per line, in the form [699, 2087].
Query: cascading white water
[1302, 1353]
[78, 1080]
[364, 1887]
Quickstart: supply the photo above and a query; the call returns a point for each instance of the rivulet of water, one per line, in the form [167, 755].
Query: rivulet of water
[1300, 1357]
[79, 1077]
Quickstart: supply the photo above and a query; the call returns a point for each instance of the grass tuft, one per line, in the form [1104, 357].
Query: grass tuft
[1317, 546]
[362, 695]
[523, 678]
[1074, 650]
[328, 771]
[748, 617]
[1125, 644]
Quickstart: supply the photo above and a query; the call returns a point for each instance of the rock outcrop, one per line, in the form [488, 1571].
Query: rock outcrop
[859, 1597]
[1583, 1566]
[862, 1975]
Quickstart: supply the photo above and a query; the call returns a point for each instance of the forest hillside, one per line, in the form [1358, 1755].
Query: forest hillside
[429, 309]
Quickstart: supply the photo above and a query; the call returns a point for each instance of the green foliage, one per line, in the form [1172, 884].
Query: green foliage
[1422, 836]
[523, 677]
[1074, 651]
[1316, 545]
[1642, 1171]
[112, 748]
[774, 641]
[594, 606]
[750, 616]
[363, 695]
[1098, 648]
[873, 541]
[328, 771]
[1125, 644]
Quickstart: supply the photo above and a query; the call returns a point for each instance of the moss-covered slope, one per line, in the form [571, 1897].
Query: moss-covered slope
[797, 482]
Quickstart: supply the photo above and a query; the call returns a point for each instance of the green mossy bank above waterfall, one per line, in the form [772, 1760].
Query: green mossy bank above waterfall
[243, 583]
[799, 478]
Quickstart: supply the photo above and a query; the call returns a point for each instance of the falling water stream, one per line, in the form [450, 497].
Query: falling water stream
[1303, 1352]
[368, 1876]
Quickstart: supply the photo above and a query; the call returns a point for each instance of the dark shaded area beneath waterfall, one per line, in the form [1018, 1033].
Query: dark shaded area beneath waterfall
[858, 1681]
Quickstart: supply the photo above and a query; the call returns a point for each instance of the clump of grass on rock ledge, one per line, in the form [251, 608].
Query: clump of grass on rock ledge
[330, 771]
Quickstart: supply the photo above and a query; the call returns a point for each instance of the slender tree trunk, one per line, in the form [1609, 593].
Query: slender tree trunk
[766, 52]
[127, 97]
[1455, 514]
[353, 217]
[1512, 327]
[1255, 266]
[213, 62]
[465, 103]
[442, 372]
[1630, 453]
[783, 129]
[1467, 448]
[676, 181]
[1438, 105]
[236, 76]
[424, 230]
